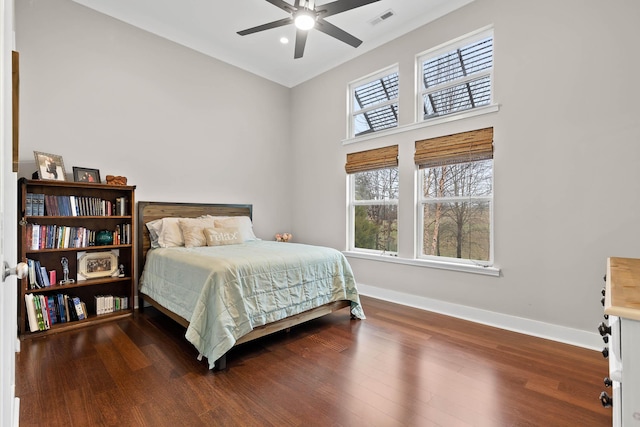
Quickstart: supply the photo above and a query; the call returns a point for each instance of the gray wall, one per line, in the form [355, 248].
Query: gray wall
[179, 125]
[185, 127]
[567, 145]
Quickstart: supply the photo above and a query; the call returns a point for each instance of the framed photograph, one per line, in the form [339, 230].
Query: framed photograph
[50, 166]
[86, 175]
[92, 265]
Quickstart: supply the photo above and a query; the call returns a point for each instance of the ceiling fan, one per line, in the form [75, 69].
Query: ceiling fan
[307, 15]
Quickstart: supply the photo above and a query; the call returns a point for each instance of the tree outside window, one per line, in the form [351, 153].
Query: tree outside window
[456, 207]
[375, 210]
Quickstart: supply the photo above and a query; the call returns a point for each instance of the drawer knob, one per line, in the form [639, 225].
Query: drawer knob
[606, 400]
[604, 329]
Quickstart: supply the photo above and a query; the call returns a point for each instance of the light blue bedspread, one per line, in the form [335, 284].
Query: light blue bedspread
[226, 291]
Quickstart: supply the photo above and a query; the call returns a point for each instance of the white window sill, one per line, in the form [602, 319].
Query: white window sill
[443, 265]
[431, 122]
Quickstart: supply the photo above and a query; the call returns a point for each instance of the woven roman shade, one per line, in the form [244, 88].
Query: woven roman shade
[379, 158]
[457, 148]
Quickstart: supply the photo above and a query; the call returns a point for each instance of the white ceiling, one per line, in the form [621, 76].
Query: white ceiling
[210, 27]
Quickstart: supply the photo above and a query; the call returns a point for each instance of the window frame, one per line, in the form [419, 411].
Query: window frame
[352, 86]
[443, 48]
[351, 244]
[421, 201]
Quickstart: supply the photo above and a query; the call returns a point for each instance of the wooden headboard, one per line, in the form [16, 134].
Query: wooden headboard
[149, 211]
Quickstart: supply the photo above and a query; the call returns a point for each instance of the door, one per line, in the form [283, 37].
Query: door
[8, 243]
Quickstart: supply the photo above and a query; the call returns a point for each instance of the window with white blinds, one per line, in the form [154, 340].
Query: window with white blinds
[374, 103]
[456, 77]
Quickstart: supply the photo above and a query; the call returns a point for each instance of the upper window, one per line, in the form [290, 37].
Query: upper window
[456, 77]
[374, 103]
[455, 199]
[373, 200]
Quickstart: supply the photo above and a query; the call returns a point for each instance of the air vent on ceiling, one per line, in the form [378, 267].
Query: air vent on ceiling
[383, 16]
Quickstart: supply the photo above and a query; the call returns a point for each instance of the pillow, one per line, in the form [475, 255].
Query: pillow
[193, 231]
[222, 236]
[242, 223]
[154, 229]
[165, 233]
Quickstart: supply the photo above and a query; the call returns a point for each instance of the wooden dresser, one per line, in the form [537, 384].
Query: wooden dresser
[621, 333]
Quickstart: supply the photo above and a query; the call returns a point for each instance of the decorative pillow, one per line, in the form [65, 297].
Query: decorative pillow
[242, 223]
[222, 236]
[193, 231]
[154, 227]
[166, 233]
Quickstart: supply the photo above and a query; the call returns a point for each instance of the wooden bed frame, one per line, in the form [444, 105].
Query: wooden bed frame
[149, 211]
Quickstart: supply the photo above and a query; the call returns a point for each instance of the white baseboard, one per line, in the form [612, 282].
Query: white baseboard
[577, 337]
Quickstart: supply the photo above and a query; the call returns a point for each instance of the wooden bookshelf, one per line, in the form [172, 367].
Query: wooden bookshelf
[97, 266]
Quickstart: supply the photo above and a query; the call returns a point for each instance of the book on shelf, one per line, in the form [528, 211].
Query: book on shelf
[45, 277]
[43, 311]
[33, 267]
[51, 205]
[38, 272]
[106, 304]
[34, 204]
[53, 317]
[39, 315]
[61, 310]
[78, 308]
[31, 312]
[28, 204]
[35, 237]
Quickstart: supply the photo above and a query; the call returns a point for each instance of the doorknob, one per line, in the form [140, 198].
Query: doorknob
[21, 270]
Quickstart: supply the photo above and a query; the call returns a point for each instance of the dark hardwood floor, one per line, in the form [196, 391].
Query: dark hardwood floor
[400, 367]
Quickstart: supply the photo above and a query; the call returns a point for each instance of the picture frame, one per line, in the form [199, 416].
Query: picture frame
[92, 265]
[50, 166]
[86, 175]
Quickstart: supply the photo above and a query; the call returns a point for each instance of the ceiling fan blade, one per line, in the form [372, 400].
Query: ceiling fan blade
[335, 7]
[333, 31]
[283, 5]
[270, 25]
[301, 40]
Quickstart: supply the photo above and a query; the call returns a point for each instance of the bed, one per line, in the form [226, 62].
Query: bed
[232, 287]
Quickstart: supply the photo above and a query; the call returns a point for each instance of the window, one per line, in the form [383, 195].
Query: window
[373, 200]
[374, 103]
[456, 77]
[455, 199]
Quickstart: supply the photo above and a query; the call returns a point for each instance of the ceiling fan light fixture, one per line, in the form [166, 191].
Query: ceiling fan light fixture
[305, 20]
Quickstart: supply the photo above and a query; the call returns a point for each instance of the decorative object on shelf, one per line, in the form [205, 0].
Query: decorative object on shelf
[104, 238]
[284, 237]
[50, 166]
[92, 265]
[121, 270]
[116, 180]
[65, 272]
[86, 175]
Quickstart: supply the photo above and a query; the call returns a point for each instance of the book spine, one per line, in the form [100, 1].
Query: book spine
[31, 312]
[28, 204]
